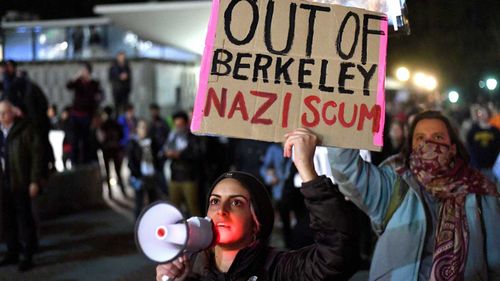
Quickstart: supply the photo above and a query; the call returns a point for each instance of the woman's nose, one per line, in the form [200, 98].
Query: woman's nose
[222, 209]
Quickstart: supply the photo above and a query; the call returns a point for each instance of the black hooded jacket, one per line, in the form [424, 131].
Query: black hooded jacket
[333, 256]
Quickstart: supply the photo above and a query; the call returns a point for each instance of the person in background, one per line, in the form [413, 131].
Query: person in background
[30, 102]
[110, 135]
[53, 118]
[12, 78]
[87, 97]
[466, 125]
[78, 37]
[20, 178]
[242, 214]
[158, 131]
[278, 172]
[495, 115]
[141, 165]
[483, 142]
[436, 216]
[120, 76]
[182, 149]
[67, 127]
[128, 121]
[396, 136]
[95, 46]
[247, 155]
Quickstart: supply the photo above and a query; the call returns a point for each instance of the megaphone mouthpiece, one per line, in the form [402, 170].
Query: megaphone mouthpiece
[161, 232]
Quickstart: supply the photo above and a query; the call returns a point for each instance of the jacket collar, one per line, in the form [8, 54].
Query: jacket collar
[248, 262]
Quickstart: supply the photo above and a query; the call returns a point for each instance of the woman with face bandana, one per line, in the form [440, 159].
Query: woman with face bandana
[438, 218]
[242, 214]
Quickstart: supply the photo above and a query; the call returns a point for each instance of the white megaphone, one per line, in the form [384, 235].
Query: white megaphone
[162, 234]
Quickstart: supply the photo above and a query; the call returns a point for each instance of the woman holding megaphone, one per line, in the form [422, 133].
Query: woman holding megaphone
[242, 214]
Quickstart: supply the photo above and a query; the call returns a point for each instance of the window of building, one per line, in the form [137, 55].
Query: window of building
[18, 44]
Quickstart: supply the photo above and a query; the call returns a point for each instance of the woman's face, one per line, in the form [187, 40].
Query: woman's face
[396, 132]
[229, 209]
[431, 130]
[142, 129]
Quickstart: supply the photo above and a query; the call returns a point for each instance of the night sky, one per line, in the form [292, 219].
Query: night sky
[457, 40]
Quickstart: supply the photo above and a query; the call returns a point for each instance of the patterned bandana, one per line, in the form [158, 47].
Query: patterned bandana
[450, 180]
[431, 161]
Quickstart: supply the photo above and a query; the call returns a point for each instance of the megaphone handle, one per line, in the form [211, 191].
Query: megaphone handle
[189, 254]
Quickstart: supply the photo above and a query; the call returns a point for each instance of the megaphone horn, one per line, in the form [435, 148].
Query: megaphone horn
[162, 234]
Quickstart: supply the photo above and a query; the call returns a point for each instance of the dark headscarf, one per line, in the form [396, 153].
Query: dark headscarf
[259, 197]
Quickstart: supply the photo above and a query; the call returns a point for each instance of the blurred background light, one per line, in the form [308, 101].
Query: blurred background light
[453, 96]
[403, 74]
[419, 79]
[430, 83]
[491, 84]
[42, 39]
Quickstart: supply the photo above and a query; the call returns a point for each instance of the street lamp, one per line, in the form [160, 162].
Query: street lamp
[491, 84]
[430, 83]
[419, 79]
[403, 74]
[453, 96]
[425, 81]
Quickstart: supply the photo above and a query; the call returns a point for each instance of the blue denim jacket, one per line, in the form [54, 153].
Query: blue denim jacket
[397, 213]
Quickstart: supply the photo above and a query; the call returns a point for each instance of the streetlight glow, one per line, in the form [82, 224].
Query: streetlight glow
[491, 84]
[403, 74]
[430, 83]
[425, 81]
[419, 79]
[453, 96]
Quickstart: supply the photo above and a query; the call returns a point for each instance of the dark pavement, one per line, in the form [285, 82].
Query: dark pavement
[93, 245]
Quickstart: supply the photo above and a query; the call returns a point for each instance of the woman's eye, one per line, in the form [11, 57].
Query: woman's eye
[236, 203]
[439, 137]
[214, 201]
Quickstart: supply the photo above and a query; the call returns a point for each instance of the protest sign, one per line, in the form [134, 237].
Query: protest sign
[272, 66]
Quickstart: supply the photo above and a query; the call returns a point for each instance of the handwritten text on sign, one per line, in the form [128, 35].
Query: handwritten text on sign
[272, 66]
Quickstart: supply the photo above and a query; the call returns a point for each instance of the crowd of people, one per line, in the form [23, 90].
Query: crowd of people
[424, 208]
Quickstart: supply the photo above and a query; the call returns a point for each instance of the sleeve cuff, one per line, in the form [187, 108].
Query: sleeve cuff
[320, 186]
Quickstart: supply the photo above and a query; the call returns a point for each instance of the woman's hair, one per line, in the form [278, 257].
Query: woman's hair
[431, 114]
[255, 220]
[181, 114]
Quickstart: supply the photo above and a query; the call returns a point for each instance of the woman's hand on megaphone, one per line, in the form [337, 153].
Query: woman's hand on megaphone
[177, 269]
